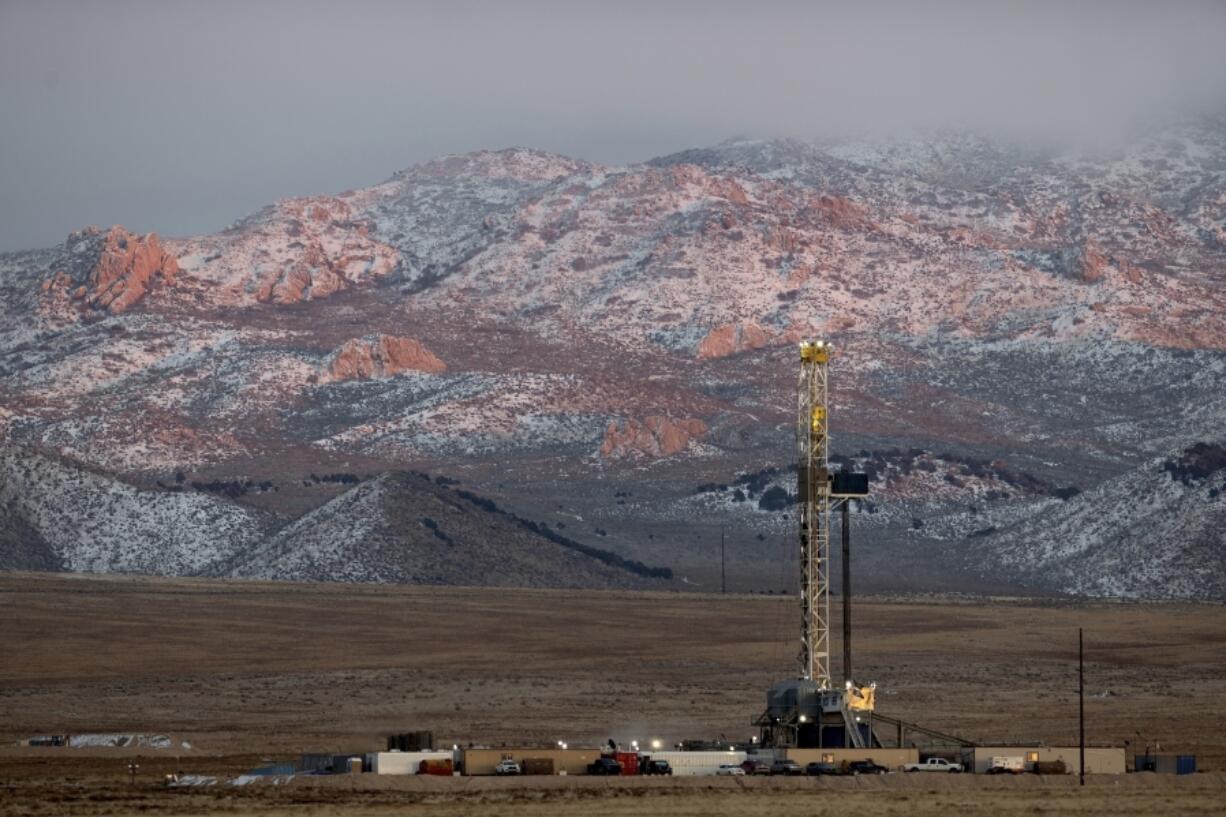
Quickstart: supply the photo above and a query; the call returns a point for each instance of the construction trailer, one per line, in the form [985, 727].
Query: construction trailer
[892, 759]
[697, 763]
[1099, 759]
[565, 761]
[409, 762]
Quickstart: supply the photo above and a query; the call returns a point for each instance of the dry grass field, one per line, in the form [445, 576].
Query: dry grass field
[253, 671]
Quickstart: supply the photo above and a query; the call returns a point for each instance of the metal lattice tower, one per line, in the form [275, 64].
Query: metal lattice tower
[813, 497]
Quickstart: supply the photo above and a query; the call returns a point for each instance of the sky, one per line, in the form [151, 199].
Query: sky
[182, 117]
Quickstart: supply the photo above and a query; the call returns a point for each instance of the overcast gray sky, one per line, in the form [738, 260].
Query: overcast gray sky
[182, 117]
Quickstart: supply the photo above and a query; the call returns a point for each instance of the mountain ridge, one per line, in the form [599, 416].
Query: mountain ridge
[584, 344]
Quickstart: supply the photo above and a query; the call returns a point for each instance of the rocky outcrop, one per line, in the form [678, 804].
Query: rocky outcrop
[731, 339]
[1092, 263]
[655, 436]
[840, 212]
[326, 249]
[380, 356]
[311, 275]
[109, 270]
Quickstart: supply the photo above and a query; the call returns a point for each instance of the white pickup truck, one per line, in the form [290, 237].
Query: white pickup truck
[933, 764]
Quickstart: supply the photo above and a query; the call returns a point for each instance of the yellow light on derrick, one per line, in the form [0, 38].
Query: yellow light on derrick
[817, 421]
[814, 351]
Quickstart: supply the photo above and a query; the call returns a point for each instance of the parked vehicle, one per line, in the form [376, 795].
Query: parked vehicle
[866, 767]
[934, 764]
[656, 767]
[786, 767]
[507, 766]
[604, 765]
[730, 770]
[816, 768]
[756, 767]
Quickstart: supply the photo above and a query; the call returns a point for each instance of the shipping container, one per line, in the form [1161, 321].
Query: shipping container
[629, 762]
[536, 765]
[1168, 764]
[442, 768]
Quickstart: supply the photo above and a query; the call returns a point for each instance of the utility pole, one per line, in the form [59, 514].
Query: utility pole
[723, 573]
[1081, 705]
[846, 592]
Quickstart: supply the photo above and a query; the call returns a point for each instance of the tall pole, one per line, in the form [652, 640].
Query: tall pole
[723, 574]
[1081, 702]
[846, 592]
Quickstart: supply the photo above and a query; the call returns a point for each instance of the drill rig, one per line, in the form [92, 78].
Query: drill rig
[809, 711]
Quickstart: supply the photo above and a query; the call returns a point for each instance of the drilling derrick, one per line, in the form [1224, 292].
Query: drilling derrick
[807, 711]
[813, 496]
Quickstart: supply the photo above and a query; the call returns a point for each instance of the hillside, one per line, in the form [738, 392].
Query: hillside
[587, 345]
[408, 529]
[59, 516]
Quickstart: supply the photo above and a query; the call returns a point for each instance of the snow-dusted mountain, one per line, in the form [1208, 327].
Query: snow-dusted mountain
[609, 351]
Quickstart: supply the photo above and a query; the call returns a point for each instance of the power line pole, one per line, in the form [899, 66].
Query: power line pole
[1081, 706]
[723, 573]
[846, 591]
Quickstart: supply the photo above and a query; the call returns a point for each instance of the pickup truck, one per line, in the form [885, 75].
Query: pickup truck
[788, 767]
[934, 764]
[656, 767]
[605, 766]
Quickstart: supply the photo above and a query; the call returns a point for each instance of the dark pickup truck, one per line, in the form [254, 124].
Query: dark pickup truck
[656, 767]
[866, 767]
[605, 765]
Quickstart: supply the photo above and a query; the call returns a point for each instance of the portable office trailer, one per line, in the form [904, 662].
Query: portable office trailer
[697, 763]
[403, 762]
[1099, 759]
[565, 761]
[892, 759]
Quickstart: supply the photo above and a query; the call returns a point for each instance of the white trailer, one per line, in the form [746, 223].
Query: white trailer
[402, 762]
[1014, 764]
[698, 763]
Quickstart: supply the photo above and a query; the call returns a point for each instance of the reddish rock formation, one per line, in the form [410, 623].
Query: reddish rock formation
[656, 436]
[110, 270]
[314, 275]
[380, 356]
[730, 339]
[1093, 263]
[841, 212]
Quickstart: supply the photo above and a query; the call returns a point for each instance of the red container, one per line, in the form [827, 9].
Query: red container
[629, 762]
[439, 767]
